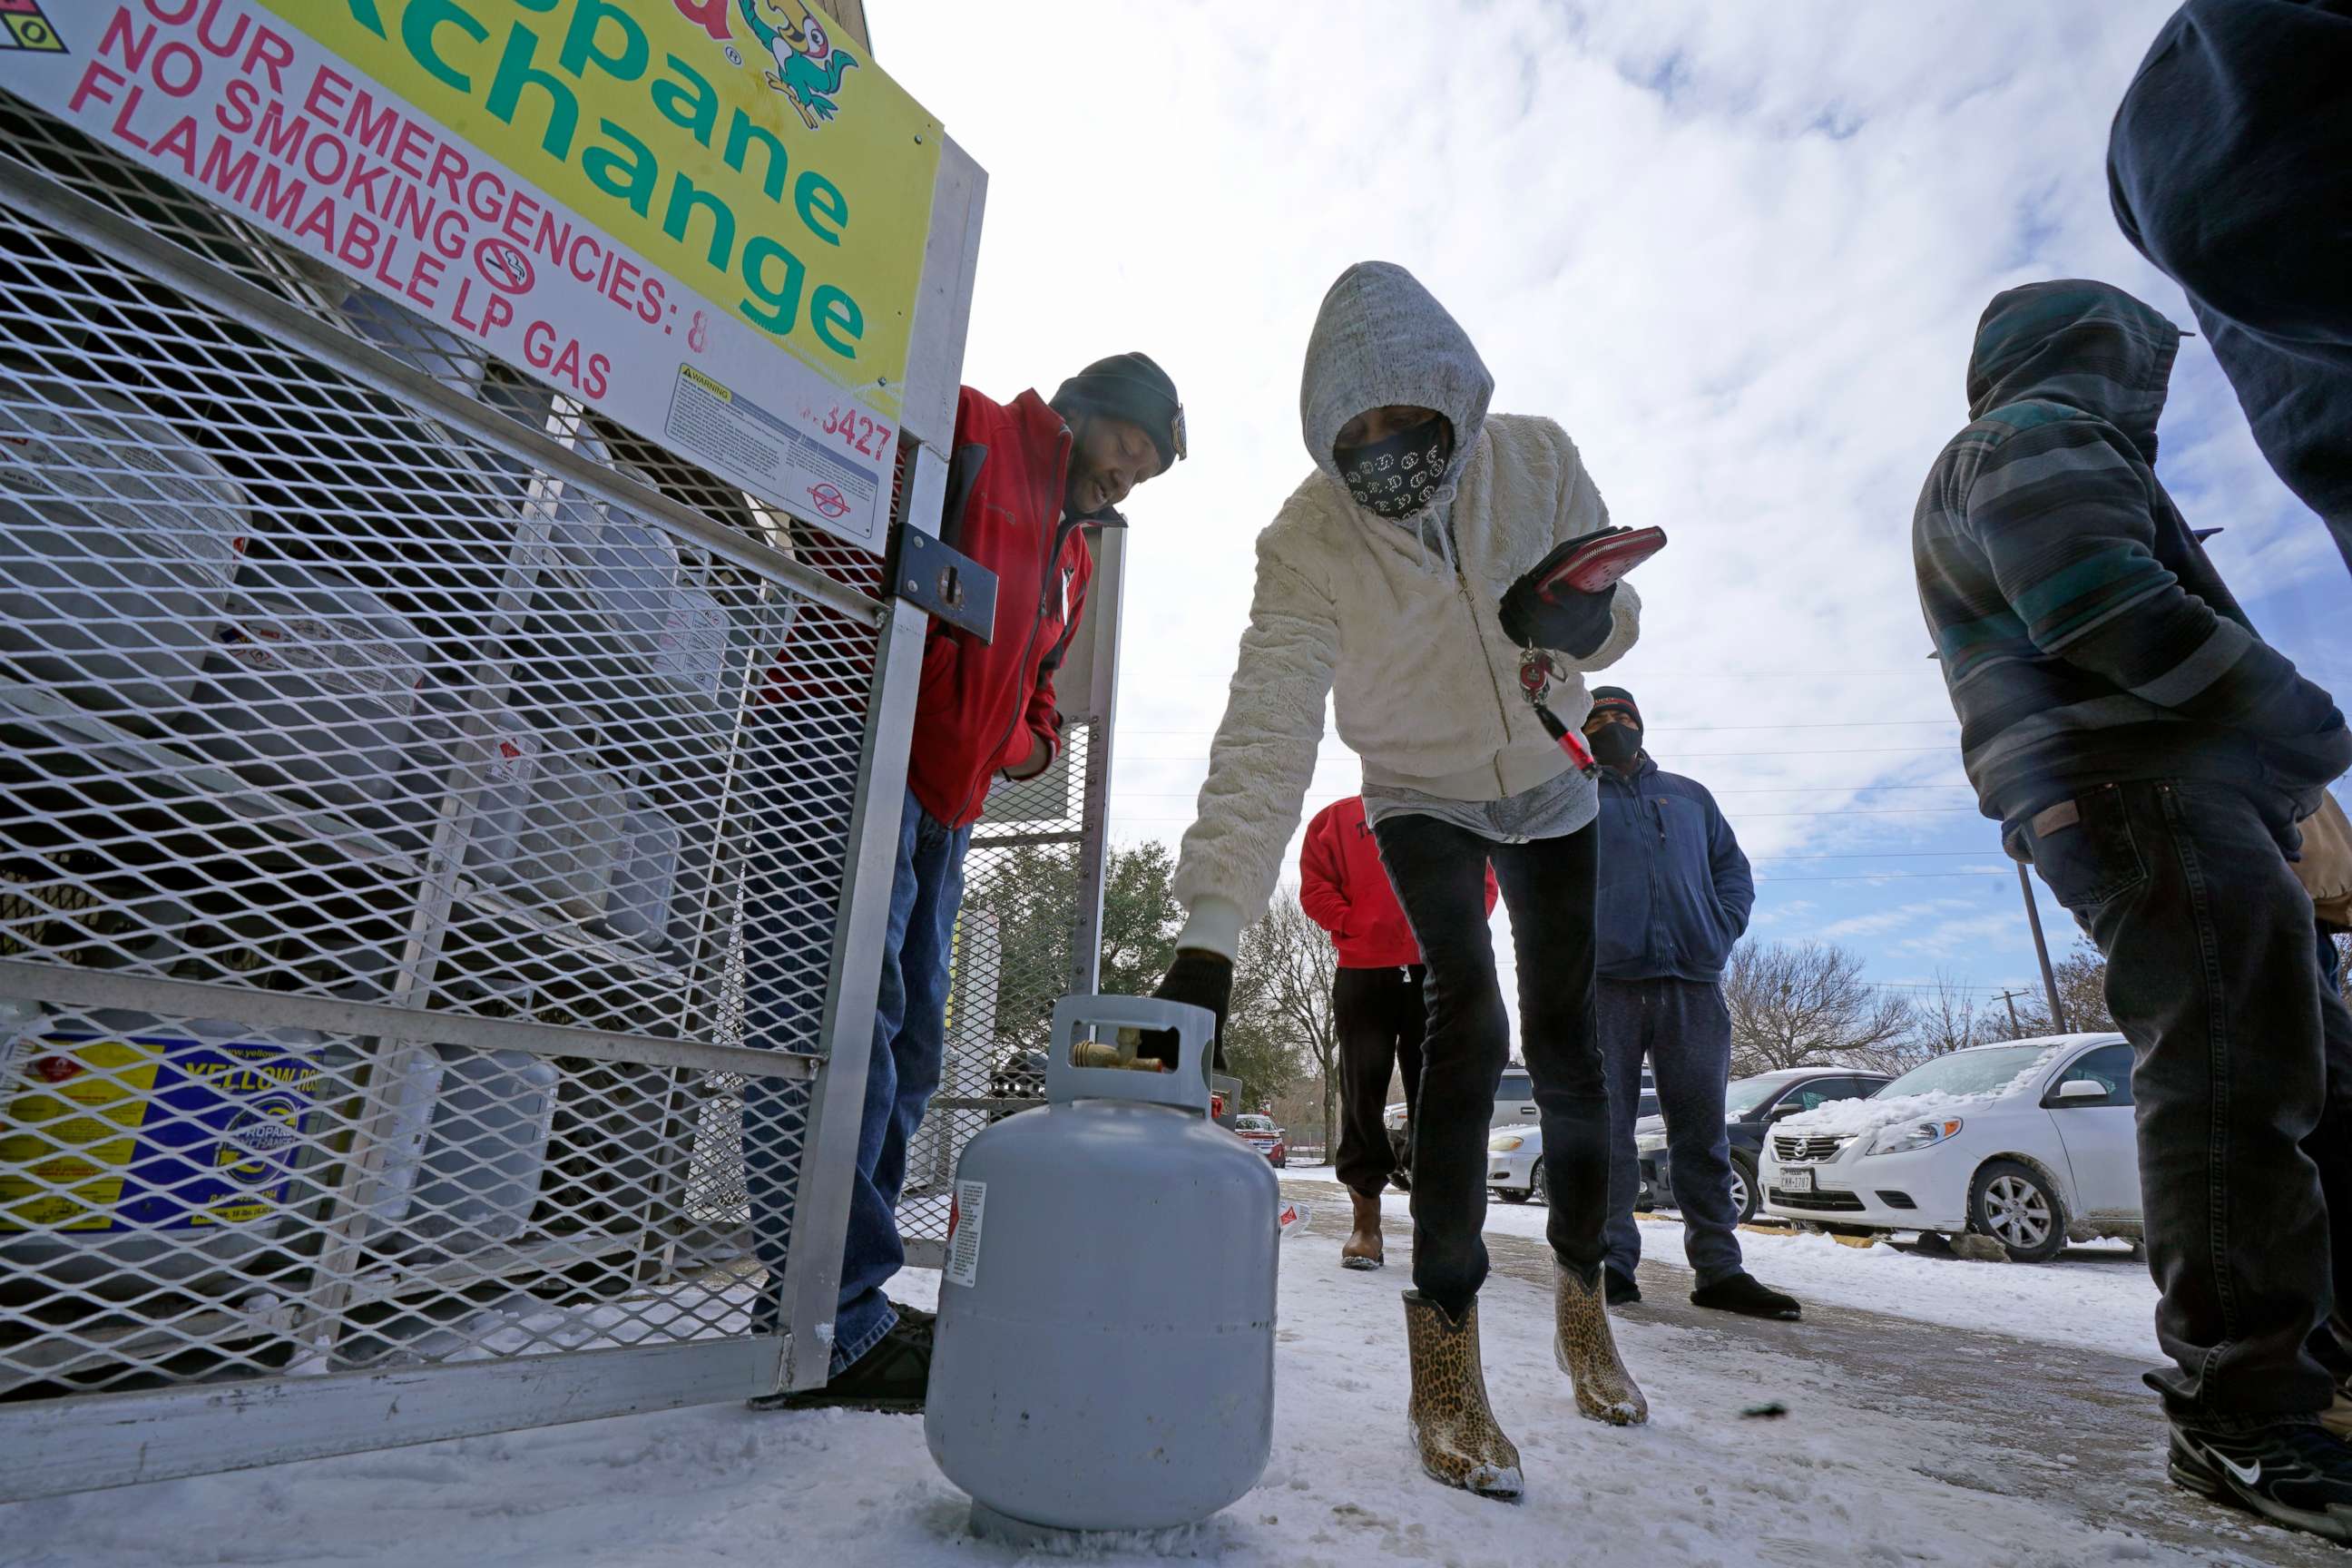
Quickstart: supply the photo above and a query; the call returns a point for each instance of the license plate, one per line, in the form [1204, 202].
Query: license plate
[1796, 1181]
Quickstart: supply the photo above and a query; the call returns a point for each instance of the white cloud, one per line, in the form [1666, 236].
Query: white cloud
[1901, 918]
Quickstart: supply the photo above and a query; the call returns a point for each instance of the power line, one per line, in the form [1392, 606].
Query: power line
[1840, 750]
[1666, 729]
[1881, 877]
[1746, 816]
[1744, 789]
[1884, 855]
[1673, 674]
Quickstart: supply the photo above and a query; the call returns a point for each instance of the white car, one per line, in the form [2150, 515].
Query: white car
[1514, 1107]
[1515, 1170]
[2029, 1143]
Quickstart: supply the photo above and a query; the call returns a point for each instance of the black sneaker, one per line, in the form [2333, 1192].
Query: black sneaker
[892, 1378]
[2292, 1474]
[1750, 1298]
[1619, 1289]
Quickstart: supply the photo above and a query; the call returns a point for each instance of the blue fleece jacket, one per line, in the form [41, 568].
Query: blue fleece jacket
[1675, 889]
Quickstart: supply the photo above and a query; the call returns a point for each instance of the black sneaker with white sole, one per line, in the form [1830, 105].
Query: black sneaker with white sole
[2292, 1474]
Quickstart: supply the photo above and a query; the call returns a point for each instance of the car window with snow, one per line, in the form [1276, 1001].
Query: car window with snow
[1985, 1071]
[1748, 1094]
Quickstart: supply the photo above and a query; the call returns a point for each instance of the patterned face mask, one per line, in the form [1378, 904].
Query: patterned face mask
[1399, 475]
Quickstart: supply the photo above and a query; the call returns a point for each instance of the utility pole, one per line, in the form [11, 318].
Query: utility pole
[2041, 951]
[2015, 1028]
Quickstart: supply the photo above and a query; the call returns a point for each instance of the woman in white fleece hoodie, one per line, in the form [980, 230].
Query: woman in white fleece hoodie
[1379, 585]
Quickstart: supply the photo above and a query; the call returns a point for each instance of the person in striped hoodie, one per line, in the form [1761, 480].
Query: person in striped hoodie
[2151, 757]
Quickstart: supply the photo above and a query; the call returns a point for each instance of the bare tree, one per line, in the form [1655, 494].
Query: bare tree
[1950, 1018]
[1281, 1013]
[2082, 992]
[1806, 1005]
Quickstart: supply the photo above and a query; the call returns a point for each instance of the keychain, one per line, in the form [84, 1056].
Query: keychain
[1535, 683]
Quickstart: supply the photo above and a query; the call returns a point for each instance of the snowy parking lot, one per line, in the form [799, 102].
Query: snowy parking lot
[1936, 1411]
[2095, 1295]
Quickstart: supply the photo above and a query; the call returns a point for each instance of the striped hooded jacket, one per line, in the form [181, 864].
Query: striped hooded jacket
[2085, 637]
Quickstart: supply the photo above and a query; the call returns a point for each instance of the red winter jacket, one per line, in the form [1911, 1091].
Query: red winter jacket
[982, 704]
[1345, 890]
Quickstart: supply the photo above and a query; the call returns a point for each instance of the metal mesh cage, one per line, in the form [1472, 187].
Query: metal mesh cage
[1013, 957]
[399, 840]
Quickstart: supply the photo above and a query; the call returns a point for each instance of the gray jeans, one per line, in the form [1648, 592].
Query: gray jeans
[1682, 1026]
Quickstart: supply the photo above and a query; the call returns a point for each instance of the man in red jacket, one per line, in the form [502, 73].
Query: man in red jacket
[1027, 478]
[1376, 1003]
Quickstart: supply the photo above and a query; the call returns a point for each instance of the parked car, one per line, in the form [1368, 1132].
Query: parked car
[1515, 1170]
[2029, 1142]
[1515, 1106]
[1020, 1076]
[1750, 1107]
[1261, 1134]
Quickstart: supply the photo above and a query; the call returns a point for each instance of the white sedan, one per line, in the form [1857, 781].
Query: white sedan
[2029, 1143]
[1515, 1170]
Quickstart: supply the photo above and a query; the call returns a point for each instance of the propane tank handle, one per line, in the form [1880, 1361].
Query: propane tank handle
[1187, 1087]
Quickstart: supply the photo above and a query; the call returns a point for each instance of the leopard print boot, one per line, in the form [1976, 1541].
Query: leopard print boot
[1586, 1351]
[1448, 1415]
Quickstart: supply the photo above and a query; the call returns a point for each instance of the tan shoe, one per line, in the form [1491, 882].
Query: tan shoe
[1586, 1351]
[1452, 1424]
[1363, 1248]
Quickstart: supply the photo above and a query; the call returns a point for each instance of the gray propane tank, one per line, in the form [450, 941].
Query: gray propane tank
[1105, 1349]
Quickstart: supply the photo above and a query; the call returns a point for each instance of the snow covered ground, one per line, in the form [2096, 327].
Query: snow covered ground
[2098, 1294]
[1852, 1474]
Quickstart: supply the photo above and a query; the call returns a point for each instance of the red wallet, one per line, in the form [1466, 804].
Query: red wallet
[1595, 563]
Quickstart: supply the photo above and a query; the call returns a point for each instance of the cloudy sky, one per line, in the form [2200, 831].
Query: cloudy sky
[1738, 250]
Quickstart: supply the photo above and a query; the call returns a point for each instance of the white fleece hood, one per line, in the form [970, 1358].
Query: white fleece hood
[1381, 338]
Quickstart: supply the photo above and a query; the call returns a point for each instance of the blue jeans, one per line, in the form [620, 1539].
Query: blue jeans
[910, 1043]
[1682, 1026]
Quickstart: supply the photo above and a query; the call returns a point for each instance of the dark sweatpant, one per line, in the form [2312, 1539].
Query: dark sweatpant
[2227, 169]
[1440, 873]
[2243, 1084]
[1382, 1015]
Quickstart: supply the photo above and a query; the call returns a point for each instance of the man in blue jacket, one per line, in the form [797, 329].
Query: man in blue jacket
[1675, 895]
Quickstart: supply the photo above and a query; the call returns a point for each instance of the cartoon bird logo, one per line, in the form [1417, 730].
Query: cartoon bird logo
[809, 68]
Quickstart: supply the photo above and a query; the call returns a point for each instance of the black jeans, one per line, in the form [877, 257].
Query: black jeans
[2244, 1083]
[1440, 872]
[1382, 1015]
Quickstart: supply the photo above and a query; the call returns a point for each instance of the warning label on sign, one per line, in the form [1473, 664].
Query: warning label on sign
[963, 1233]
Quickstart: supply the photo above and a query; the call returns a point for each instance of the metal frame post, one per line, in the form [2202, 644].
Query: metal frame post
[1107, 600]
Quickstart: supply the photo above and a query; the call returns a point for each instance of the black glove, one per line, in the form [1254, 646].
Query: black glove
[1575, 623]
[1202, 978]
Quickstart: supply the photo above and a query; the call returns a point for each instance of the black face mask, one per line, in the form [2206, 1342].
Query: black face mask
[1614, 745]
[1399, 475]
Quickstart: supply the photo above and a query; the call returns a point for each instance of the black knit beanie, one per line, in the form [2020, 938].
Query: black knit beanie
[1133, 387]
[1616, 699]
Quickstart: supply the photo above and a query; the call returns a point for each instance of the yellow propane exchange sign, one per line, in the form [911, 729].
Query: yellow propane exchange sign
[640, 201]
